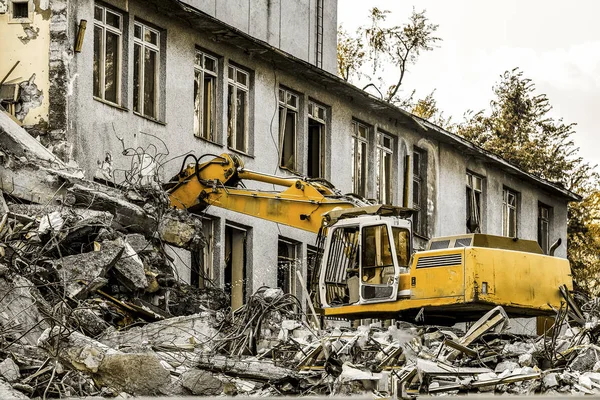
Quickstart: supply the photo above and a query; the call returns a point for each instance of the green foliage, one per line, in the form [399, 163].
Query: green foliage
[350, 54]
[518, 127]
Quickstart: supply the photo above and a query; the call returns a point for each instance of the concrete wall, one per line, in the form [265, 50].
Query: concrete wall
[286, 24]
[29, 44]
[115, 138]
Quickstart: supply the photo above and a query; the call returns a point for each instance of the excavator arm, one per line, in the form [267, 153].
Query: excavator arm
[301, 203]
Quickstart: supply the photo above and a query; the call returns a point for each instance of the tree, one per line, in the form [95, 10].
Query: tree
[398, 46]
[518, 127]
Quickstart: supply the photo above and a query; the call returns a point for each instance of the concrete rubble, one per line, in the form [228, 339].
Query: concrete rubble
[90, 306]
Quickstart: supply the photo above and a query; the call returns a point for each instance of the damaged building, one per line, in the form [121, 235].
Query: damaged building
[123, 85]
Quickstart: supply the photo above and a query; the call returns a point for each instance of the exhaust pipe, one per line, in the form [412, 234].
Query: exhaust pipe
[555, 246]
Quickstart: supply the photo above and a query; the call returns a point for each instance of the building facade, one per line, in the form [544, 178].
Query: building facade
[148, 82]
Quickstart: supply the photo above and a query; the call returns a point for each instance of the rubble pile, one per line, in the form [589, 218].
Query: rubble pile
[90, 305]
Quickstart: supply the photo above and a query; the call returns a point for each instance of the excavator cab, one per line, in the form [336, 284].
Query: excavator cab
[363, 260]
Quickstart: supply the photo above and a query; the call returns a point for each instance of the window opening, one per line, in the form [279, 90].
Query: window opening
[202, 274]
[235, 265]
[316, 140]
[287, 264]
[108, 35]
[288, 125]
[544, 227]
[237, 108]
[474, 194]
[420, 191]
[385, 152]
[342, 268]
[509, 213]
[205, 101]
[377, 267]
[145, 70]
[360, 137]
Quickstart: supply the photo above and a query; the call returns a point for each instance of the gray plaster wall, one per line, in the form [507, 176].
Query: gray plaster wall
[289, 25]
[98, 129]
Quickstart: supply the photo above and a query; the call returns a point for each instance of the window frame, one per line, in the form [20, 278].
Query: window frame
[293, 264]
[358, 140]
[200, 72]
[506, 207]
[144, 45]
[388, 152]
[419, 177]
[119, 68]
[235, 85]
[319, 114]
[544, 242]
[20, 20]
[477, 195]
[284, 106]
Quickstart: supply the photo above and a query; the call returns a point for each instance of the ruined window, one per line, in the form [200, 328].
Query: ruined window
[237, 108]
[287, 264]
[146, 58]
[319, 35]
[474, 195]
[360, 141]
[235, 271]
[20, 11]
[385, 151]
[544, 213]
[288, 126]
[419, 194]
[509, 213]
[203, 274]
[205, 102]
[317, 115]
[108, 34]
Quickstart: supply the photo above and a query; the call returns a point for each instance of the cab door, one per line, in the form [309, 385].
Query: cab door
[379, 269]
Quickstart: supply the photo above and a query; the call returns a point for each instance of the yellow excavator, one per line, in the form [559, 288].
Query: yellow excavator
[366, 265]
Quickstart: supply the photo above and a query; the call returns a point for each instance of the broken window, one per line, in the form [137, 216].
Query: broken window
[474, 195]
[146, 58]
[385, 151]
[203, 274]
[237, 108]
[377, 270]
[235, 265]
[205, 102]
[342, 266]
[288, 125]
[419, 195]
[360, 140]
[108, 34]
[317, 115]
[544, 213]
[509, 213]
[287, 263]
[319, 35]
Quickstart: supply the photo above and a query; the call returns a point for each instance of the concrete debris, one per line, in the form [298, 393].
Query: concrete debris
[90, 306]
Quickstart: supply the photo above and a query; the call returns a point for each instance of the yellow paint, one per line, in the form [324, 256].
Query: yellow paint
[522, 282]
[33, 56]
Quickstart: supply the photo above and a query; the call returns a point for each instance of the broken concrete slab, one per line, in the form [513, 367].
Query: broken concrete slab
[201, 383]
[129, 269]
[20, 304]
[138, 242]
[9, 370]
[8, 393]
[181, 229]
[82, 273]
[139, 373]
[19, 142]
[248, 367]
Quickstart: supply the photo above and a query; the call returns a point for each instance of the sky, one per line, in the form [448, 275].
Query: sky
[555, 43]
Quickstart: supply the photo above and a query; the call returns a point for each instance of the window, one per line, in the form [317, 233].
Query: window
[319, 35]
[203, 274]
[509, 213]
[360, 140]
[20, 11]
[237, 108]
[288, 125]
[108, 34]
[377, 268]
[385, 150]
[287, 263]
[474, 194]
[544, 213]
[420, 191]
[205, 101]
[146, 58]
[317, 115]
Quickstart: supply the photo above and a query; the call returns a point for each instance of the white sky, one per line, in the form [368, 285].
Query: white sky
[554, 43]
